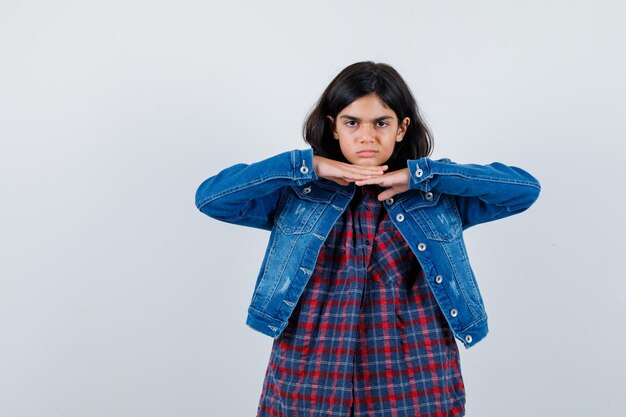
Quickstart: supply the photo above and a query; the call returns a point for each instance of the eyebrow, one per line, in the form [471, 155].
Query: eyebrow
[347, 116]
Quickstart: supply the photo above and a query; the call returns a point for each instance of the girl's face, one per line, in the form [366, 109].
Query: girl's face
[367, 131]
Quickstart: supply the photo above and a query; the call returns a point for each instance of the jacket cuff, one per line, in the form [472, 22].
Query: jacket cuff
[421, 171]
[302, 162]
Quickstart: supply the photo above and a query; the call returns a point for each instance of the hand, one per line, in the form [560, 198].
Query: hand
[344, 173]
[397, 180]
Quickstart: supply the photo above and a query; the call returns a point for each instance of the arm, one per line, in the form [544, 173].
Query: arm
[483, 193]
[247, 195]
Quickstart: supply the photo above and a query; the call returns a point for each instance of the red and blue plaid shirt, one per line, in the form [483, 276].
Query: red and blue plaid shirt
[366, 338]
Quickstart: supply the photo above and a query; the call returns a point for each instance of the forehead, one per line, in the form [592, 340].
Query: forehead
[369, 105]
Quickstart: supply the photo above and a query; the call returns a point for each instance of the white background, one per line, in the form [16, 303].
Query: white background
[119, 298]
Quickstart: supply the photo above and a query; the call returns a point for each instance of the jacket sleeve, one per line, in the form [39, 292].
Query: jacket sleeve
[483, 193]
[247, 194]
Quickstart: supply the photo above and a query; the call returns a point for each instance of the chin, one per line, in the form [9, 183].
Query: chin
[366, 161]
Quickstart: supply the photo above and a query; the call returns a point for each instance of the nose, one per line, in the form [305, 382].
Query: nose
[368, 133]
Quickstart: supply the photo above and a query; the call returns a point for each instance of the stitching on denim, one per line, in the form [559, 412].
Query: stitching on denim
[473, 323]
[455, 273]
[260, 313]
[487, 178]
[239, 188]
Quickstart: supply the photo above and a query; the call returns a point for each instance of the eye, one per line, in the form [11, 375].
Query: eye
[351, 121]
[383, 124]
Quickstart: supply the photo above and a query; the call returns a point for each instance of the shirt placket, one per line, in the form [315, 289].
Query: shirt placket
[367, 211]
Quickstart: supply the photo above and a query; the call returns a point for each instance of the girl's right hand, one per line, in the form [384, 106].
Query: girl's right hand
[344, 173]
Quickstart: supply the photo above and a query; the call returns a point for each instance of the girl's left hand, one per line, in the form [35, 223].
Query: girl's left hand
[398, 181]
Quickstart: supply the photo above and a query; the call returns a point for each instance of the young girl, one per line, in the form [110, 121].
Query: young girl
[366, 280]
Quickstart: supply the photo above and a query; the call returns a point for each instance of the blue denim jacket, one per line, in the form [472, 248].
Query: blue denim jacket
[284, 195]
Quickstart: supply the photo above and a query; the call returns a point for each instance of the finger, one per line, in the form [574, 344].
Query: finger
[361, 177]
[383, 181]
[349, 179]
[358, 172]
[365, 181]
[341, 181]
[366, 170]
[367, 167]
[388, 193]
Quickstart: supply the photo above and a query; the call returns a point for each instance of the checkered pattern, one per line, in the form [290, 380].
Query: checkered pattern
[367, 338]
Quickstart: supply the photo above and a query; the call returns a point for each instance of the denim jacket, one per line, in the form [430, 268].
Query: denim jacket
[284, 195]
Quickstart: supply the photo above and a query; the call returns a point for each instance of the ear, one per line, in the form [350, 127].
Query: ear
[333, 128]
[402, 128]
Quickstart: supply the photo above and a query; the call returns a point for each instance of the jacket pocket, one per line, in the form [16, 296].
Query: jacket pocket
[438, 217]
[299, 208]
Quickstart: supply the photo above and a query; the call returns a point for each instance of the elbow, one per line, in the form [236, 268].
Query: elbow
[210, 208]
[202, 200]
[534, 189]
[528, 197]
[531, 187]
[210, 204]
[535, 193]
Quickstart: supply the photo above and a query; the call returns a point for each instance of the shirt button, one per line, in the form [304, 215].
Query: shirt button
[367, 242]
[367, 208]
[419, 173]
[453, 312]
[468, 338]
[438, 279]
[306, 190]
[421, 247]
[304, 169]
[429, 196]
[389, 201]
[400, 217]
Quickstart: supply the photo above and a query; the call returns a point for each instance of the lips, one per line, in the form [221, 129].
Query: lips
[367, 152]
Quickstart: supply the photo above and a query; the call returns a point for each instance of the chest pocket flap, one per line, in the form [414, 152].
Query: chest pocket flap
[300, 207]
[438, 216]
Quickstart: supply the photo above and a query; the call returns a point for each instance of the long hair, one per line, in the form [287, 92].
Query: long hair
[353, 82]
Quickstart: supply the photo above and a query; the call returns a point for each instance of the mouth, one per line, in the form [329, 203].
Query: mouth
[366, 153]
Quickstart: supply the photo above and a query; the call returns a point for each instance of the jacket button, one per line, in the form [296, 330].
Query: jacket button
[418, 173]
[429, 196]
[304, 169]
[421, 247]
[468, 338]
[438, 279]
[389, 201]
[400, 217]
[306, 190]
[453, 312]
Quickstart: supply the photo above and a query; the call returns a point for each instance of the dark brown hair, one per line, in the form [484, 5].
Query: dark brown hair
[353, 82]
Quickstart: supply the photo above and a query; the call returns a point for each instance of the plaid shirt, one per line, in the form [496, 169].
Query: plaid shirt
[367, 337]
